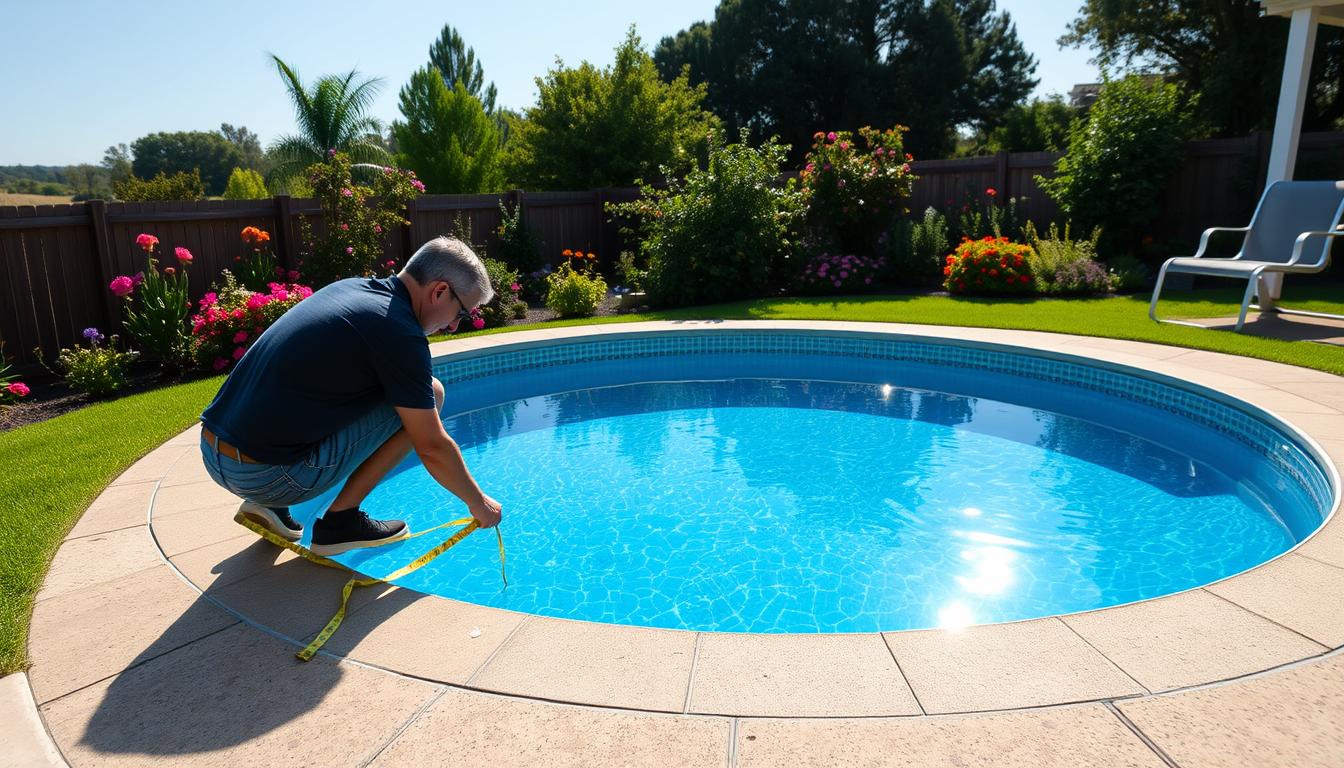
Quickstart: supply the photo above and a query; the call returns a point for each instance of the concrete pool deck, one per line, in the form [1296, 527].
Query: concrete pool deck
[165, 634]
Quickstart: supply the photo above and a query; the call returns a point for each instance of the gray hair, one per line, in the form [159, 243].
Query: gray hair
[451, 260]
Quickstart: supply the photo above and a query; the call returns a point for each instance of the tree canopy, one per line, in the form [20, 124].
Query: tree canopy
[446, 137]
[458, 64]
[1224, 52]
[183, 151]
[597, 127]
[792, 67]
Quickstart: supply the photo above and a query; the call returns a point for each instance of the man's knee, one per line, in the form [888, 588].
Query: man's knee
[438, 394]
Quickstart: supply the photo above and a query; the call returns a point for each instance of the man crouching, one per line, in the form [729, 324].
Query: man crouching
[341, 388]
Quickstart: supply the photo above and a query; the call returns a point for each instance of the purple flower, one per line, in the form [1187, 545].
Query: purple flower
[93, 335]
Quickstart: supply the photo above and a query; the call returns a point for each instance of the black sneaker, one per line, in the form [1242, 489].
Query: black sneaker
[347, 529]
[274, 519]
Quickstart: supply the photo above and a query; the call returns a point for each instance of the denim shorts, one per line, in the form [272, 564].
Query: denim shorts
[330, 462]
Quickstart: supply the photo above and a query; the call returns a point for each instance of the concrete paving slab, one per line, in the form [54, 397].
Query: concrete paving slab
[184, 531]
[117, 507]
[798, 675]
[1189, 639]
[198, 495]
[296, 598]
[230, 561]
[81, 637]
[1302, 594]
[99, 558]
[1287, 719]
[999, 666]
[471, 730]
[423, 635]
[27, 743]
[1053, 738]
[601, 664]
[191, 469]
[153, 465]
[238, 697]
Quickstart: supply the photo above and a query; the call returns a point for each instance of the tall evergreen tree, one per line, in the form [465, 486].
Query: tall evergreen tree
[446, 137]
[458, 64]
[792, 67]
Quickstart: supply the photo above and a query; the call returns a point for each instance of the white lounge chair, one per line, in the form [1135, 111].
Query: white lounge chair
[1289, 214]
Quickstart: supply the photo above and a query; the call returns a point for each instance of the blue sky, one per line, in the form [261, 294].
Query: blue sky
[80, 76]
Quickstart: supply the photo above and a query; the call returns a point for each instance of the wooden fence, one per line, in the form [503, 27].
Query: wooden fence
[56, 261]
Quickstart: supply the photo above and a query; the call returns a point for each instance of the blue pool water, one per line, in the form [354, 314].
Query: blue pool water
[851, 504]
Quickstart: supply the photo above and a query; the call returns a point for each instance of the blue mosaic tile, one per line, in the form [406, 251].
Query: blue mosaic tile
[1279, 448]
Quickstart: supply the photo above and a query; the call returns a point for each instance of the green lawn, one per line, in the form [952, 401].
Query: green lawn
[53, 470]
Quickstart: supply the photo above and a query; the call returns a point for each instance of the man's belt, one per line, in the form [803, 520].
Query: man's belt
[226, 449]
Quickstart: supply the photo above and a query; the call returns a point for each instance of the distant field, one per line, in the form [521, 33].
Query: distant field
[10, 198]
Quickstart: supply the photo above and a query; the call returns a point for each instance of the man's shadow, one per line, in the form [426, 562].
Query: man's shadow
[238, 682]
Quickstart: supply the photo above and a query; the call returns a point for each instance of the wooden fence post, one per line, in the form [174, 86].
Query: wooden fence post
[286, 249]
[600, 215]
[1001, 175]
[102, 248]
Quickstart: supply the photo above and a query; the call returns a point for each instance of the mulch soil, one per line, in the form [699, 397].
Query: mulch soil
[51, 397]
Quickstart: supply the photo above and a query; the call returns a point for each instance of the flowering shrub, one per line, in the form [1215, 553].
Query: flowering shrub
[1060, 264]
[503, 306]
[988, 265]
[534, 283]
[10, 390]
[837, 273]
[258, 267]
[985, 215]
[855, 193]
[157, 305]
[574, 293]
[231, 319]
[359, 220]
[96, 369]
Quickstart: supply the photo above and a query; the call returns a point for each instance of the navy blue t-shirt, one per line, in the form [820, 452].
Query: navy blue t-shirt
[325, 363]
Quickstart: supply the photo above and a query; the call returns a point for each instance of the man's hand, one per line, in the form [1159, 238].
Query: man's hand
[487, 512]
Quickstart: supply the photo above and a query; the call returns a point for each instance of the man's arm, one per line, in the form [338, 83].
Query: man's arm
[443, 459]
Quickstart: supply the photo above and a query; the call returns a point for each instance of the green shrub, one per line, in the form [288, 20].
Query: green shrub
[183, 185]
[96, 369]
[504, 281]
[1127, 273]
[574, 293]
[632, 277]
[519, 246]
[724, 233]
[245, 184]
[1119, 160]
[1060, 264]
[982, 215]
[928, 245]
[854, 194]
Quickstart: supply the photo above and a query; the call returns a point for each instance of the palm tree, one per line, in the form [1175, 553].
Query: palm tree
[332, 114]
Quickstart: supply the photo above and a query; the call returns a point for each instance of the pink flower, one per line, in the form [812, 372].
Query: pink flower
[183, 256]
[303, 291]
[169, 271]
[377, 229]
[238, 313]
[240, 337]
[515, 287]
[146, 241]
[345, 227]
[257, 301]
[347, 192]
[209, 300]
[390, 263]
[840, 183]
[419, 185]
[830, 136]
[477, 322]
[331, 153]
[221, 363]
[867, 281]
[122, 286]
[844, 145]
[349, 249]
[843, 274]
[281, 295]
[18, 388]
[238, 352]
[138, 279]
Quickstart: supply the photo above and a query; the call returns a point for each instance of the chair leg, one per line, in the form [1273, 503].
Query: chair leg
[1246, 300]
[1157, 291]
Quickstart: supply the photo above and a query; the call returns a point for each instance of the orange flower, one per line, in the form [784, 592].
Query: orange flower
[567, 253]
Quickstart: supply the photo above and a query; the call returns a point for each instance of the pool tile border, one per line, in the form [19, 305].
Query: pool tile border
[169, 466]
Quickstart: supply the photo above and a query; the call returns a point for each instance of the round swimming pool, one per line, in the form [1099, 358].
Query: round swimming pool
[822, 482]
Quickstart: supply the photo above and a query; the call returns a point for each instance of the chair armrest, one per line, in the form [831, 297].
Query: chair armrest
[1204, 238]
[1301, 242]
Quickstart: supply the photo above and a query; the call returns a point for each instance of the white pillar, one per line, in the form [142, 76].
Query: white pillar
[1288, 122]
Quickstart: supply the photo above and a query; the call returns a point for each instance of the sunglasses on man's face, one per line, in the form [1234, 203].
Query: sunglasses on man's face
[462, 313]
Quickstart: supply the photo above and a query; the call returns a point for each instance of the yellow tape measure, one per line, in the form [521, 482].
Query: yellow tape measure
[359, 580]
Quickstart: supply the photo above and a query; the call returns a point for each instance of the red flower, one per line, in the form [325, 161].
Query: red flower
[991, 192]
